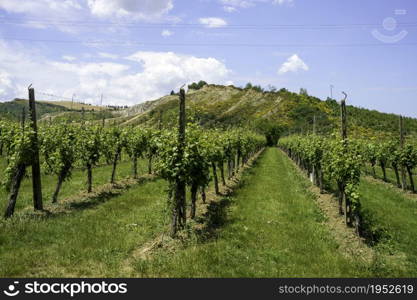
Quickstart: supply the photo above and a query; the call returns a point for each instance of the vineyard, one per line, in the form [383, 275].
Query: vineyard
[177, 193]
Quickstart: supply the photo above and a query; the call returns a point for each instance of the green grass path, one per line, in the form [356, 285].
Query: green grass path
[74, 185]
[272, 229]
[91, 242]
[393, 215]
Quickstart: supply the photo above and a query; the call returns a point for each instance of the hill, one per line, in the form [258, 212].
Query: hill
[222, 106]
[76, 105]
[59, 110]
[12, 110]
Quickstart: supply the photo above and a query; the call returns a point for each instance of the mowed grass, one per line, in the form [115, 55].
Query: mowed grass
[391, 178]
[74, 185]
[93, 242]
[393, 216]
[270, 227]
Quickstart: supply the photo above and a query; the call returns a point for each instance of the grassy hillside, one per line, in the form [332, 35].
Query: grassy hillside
[57, 110]
[223, 106]
[13, 109]
[216, 105]
[76, 105]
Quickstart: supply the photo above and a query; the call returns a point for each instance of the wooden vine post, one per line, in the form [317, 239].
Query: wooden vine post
[179, 205]
[342, 185]
[402, 141]
[36, 170]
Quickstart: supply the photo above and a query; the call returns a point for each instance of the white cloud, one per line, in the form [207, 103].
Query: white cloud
[107, 55]
[229, 9]
[6, 85]
[140, 9]
[88, 69]
[62, 14]
[280, 2]
[293, 64]
[39, 6]
[238, 3]
[69, 57]
[64, 11]
[213, 22]
[250, 3]
[141, 76]
[166, 33]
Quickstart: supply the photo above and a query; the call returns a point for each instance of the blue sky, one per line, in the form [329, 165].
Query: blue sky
[133, 51]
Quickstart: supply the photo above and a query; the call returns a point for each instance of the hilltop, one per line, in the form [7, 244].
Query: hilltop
[222, 106]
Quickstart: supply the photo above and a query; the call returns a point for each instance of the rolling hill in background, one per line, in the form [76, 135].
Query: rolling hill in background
[12, 110]
[221, 106]
[224, 106]
[57, 110]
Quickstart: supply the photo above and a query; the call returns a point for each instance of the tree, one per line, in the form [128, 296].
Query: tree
[272, 88]
[248, 86]
[271, 130]
[198, 85]
[303, 92]
[258, 88]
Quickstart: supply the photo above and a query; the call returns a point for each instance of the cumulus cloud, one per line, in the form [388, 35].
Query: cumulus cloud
[139, 77]
[293, 64]
[168, 70]
[166, 33]
[213, 22]
[39, 6]
[61, 14]
[6, 85]
[67, 10]
[140, 9]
